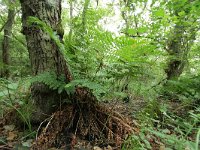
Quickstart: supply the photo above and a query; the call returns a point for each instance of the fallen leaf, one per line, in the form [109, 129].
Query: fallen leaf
[9, 127]
[28, 143]
[162, 147]
[11, 136]
[97, 148]
[108, 148]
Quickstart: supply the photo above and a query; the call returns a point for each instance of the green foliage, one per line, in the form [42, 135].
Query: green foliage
[186, 89]
[19, 64]
[172, 141]
[58, 83]
[171, 131]
[130, 63]
[137, 142]
[14, 95]
[95, 88]
[51, 80]
[33, 21]
[197, 140]
[177, 136]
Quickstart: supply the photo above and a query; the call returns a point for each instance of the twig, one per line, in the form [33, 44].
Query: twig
[50, 118]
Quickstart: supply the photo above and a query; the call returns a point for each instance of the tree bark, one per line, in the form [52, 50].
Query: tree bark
[179, 45]
[125, 16]
[84, 117]
[177, 54]
[71, 19]
[6, 43]
[44, 53]
[84, 14]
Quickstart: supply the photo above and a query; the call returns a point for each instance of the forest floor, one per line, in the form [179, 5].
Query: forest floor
[14, 137]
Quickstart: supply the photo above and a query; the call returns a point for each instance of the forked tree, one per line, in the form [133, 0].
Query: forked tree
[83, 117]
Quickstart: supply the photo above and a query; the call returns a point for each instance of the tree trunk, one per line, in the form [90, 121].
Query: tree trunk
[83, 117]
[178, 48]
[125, 17]
[178, 54]
[6, 43]
[71, 19]
[84, 15]
[44, 53]
[182, 38]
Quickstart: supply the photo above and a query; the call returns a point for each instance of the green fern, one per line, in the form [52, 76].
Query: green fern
[96, 88]
[50, 79]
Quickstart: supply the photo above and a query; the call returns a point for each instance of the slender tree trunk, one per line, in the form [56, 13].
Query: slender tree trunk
[44, 54]
[125, 16]
[177, 54]
[71, 21]
[6, 43]
[130, 21]
[84, 14]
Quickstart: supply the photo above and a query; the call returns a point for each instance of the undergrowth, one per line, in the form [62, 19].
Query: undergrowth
[170, 121]
[15, 101]
[173, 132]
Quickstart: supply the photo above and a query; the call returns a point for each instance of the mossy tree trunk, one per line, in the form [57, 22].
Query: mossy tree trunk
[44, 54]
[6, 43]
[182, 38]
[178, 54]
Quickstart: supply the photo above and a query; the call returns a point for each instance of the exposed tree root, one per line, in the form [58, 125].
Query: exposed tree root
[85, 119]
[96, 123]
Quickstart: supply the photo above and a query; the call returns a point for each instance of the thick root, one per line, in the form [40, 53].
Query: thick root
[95, 123]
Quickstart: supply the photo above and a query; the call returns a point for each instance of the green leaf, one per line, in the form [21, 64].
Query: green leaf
[160, 13]
[142, 29]
[60, 90]
[182, 13]
[132, 31]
